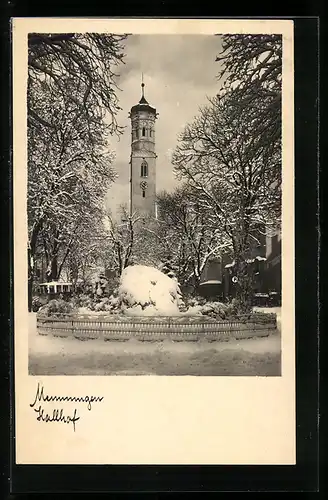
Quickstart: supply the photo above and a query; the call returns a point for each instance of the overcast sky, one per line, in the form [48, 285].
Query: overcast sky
[179, 72]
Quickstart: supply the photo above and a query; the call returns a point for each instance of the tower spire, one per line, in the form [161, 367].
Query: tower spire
[143, 99]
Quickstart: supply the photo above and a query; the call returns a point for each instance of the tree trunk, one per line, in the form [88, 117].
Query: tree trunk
[243, 272]
[244, 285]
[244, 294]
[52, 271]
[196, 281]
[30, 261]
[29, 292]
[30, 265]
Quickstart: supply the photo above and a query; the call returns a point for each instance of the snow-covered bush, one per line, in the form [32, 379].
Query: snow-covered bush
[263, 317]
[56, 306]
[38, 302]
[216, 310]
[108, 304]
[233, 308]
[146, 291]
[194, 300]
[100, 284]
[83, 300]
[85, 303]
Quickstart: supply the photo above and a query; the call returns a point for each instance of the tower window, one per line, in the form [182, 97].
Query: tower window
[143, 131]
[144, 169]
[143, 193]
[150, 132]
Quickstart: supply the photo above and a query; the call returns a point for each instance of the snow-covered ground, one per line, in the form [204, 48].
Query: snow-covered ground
[51, 355]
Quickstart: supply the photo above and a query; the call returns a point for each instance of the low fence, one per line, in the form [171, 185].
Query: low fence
[153, 329]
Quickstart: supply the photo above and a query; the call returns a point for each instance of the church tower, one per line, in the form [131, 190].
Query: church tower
[143, 158]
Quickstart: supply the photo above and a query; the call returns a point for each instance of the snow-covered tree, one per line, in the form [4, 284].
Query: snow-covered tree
[88, 61]
[189, 237]
[237, 176]
[121, 239]
[87, 258]
[251, 65]
[67, 178]
[71, 94]
[231, 153]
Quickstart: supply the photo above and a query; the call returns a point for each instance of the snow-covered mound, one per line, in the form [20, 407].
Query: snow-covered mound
[146, 291]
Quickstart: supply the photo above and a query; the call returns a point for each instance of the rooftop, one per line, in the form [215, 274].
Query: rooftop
[143, 104]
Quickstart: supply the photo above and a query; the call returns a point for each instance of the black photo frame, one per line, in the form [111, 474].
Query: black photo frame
[47, 479]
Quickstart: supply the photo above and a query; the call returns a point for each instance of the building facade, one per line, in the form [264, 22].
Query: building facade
[273, 263]
[143, 158]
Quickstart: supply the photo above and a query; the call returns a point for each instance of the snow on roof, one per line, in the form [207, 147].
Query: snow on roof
[53, 283]
[211, 282]
[249, 261]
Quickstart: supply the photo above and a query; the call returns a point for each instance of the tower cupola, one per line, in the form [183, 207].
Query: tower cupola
[143, 104]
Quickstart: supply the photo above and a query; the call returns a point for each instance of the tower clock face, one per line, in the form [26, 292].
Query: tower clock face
[143, 185]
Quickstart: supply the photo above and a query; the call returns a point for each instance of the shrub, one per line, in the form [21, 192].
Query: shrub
[37, 303]
[113, 284]
[105, 305]
[215, 310]
[230, 311]
[56, 307]
[253, 316]
[262, 317]
[191, 301]
[194, 300]
[83, 300]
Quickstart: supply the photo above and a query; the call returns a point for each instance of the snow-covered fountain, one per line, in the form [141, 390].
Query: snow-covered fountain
[146, 291]
[148, 305]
